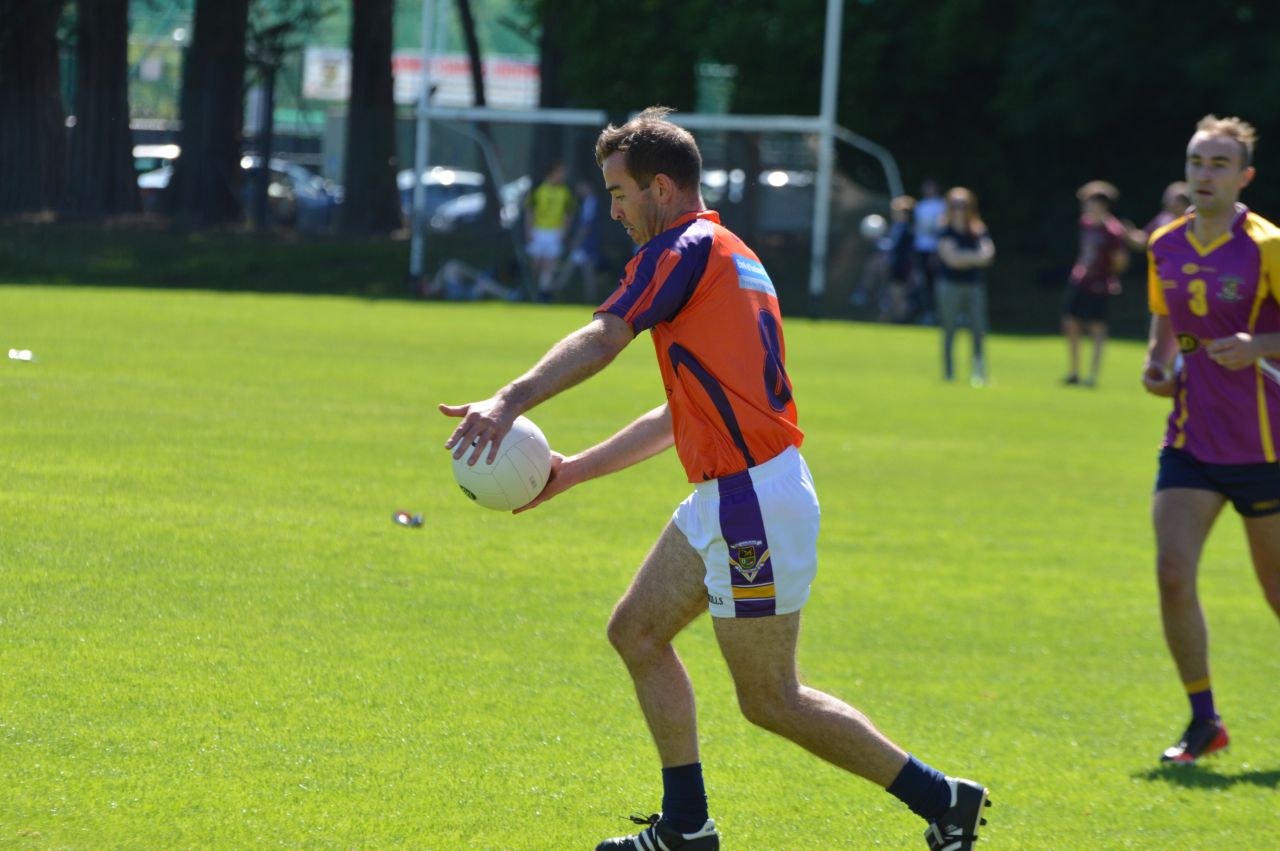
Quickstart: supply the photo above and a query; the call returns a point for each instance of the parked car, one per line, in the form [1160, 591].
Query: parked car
[296, 197]
[443, 184]
[151, 157]
[151, 184]
[468, 209]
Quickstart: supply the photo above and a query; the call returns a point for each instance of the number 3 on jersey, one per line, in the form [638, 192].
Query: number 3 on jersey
[1199, 304]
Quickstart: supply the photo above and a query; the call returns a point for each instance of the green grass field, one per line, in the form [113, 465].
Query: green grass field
[212, 634]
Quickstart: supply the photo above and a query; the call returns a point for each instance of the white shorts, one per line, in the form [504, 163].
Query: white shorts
[545, 243]
[757, 533]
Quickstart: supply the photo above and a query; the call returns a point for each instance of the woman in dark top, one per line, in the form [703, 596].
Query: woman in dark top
[965, 250]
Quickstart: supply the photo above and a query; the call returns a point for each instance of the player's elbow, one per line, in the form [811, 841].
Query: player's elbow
[610, 335]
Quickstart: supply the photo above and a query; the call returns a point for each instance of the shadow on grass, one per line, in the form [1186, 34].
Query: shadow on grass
[1207, 777]
[148, 253]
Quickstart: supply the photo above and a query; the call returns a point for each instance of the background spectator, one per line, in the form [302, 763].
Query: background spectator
[584, 241]
[965, 250]
[551, 211]
[457, 281]
[929, 213]
[1095, 277]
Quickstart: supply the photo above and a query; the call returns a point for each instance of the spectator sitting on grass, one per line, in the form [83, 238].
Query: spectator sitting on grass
[457, 281]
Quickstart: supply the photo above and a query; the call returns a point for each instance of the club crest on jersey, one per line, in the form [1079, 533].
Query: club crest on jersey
[1230, 290]
[748, 557]
[1188, 343]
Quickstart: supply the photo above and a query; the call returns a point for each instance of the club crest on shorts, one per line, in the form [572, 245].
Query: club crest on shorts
[748, 557]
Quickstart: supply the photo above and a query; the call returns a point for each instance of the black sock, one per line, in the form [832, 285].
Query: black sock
[684, 798]
[922, 788]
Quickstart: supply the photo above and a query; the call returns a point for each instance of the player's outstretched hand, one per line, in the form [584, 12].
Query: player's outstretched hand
[1158, 382]
[560, 480]
[483, 424]
[1234, 352]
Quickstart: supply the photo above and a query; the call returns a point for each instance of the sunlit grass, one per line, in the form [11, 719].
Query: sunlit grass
[212, 634]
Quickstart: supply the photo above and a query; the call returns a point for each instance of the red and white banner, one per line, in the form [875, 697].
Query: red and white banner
[510, 82]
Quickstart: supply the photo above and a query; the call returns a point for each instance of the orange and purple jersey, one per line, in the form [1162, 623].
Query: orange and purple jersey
[712, 312]
[1220, 416]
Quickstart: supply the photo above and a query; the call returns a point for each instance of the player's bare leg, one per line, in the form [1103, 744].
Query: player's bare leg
[1071, 331]
[665, 595]
[760, 653]
[1098, 331]
[1264, 544]
[1183, 518]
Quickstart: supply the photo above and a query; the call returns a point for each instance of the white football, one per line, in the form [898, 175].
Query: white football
[873, 227]
[515, 477]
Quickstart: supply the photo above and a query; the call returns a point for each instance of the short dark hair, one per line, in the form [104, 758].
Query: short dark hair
[654, 145]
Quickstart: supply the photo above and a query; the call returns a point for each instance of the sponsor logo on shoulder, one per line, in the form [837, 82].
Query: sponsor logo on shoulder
[752, 275]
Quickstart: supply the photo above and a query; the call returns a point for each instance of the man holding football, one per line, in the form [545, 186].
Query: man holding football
[743, 546]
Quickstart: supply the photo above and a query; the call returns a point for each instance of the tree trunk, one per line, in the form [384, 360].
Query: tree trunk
[32, 132]
[492, 200]
[548, 139]
[205, 189]
[101, 179]
[372, 202]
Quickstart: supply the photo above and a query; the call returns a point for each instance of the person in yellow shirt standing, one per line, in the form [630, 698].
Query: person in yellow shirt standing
[550, 207]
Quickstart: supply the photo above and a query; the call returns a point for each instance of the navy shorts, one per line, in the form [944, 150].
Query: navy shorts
[1254, 489]
[1081, 304]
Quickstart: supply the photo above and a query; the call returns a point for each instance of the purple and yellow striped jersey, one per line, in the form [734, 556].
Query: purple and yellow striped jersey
[1220, 416]
[713, 314]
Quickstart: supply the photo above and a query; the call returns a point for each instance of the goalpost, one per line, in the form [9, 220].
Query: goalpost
[821, 127]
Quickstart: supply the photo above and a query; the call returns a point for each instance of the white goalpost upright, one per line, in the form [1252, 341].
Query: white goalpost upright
[823, 126]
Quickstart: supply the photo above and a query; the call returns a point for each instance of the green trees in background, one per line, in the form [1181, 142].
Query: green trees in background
[203, 190]
[100, 175]
[32, 141]
[372, 204]
[1022, 100]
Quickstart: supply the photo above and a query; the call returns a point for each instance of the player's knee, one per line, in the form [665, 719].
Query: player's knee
[632, 642]
[767, 709]
[617, 633]
[1175, 576]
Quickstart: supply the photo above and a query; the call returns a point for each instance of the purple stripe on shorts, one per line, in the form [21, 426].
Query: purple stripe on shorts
[742, 527]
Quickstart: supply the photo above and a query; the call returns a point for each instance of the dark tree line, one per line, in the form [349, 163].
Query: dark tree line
[372, 201]
[1022, 100]
[86, 169]
[100, 177]
[32, 142]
